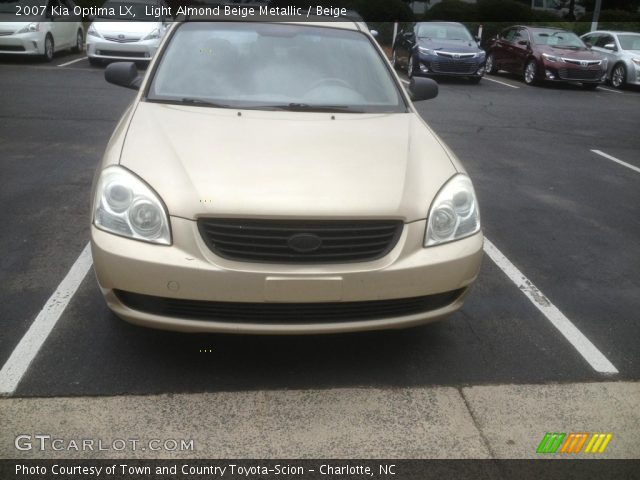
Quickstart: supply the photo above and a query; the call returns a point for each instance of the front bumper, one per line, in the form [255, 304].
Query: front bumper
[438, 66]
[30, 43]
[106, 50]
[554, 73]
[188, 270]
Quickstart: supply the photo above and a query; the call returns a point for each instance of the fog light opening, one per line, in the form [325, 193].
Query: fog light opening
[549, 74]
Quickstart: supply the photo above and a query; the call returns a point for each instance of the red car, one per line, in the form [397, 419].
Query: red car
[545, 54]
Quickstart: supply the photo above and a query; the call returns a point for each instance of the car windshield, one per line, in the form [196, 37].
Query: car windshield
[126, 11]
[629, 41]
[555, 38]
[437, 31]
[274, 66]
[10, 6]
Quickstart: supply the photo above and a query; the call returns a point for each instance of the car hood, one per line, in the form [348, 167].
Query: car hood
[449, 45]
[208, 161]
[582, 54]
[106, 27]
[14, 26]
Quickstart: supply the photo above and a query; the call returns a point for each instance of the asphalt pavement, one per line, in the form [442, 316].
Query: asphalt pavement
[559, 197]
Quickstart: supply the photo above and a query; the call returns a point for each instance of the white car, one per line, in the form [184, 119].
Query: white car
[45, 27]
[124, 38]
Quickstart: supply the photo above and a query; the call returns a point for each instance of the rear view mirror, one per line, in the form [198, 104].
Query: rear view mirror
[124, 74]
[422, 88]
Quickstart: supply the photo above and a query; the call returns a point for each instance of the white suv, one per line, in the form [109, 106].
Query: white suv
[41, 28]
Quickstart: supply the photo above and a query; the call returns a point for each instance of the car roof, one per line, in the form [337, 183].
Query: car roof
[439, 22]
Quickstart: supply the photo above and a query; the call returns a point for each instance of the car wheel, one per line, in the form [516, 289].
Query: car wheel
[619, 76]
[531, 72]
[79, 42]
[96, 62]
[47, 56]
[490, 65]
[475, 79]
[410, 67]
[589, 86]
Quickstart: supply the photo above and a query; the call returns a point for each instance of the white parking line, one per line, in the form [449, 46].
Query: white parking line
[614, 159]
[72, 61]
[609, 90]
[29, 346]
[582, 344]
[501, 83]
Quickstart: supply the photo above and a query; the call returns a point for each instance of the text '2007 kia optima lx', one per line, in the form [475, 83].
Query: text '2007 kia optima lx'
[276, 178]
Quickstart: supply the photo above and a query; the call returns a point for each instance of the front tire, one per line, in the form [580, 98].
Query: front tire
[531, 72]
[79, 42]
[410, 67]
[394, 59]
[490, 64]
[47, 56]
[619, 76]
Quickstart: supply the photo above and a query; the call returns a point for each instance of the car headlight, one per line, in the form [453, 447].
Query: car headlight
[127, 206]
[481, 54]
[551, 58]
[426, 51]
[454, 213]
[155, 33]
[93, 32]
[636, 61]
[30, 27]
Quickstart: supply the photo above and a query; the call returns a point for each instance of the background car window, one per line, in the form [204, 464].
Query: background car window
[604, 40]
[509, 35]
[520, 35]
[592, 38]
[443, 32]
[557, 38]
[257, 65]
[629, 42]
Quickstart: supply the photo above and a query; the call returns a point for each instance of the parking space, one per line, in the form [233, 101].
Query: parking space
[563, 215]
[555, 169]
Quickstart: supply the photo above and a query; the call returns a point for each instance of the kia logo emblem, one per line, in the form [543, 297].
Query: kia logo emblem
[304, 242]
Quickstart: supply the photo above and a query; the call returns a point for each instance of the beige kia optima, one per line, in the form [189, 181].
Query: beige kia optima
[276, 178]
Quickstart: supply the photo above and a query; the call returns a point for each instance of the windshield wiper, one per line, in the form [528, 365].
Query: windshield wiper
[200, 101]
[305, 107]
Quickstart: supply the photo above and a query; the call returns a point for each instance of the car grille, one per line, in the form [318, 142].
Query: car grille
[579, 74]
[294, 241]
[11, 48]
[287, 313]
[455, 55]
[122, 40]
[584, 63]
[452, 66]
[117, 53]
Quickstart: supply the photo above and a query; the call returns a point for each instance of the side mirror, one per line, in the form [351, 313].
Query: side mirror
[124, 74]
[588, 44]
[610, 46]
[524, 43]
[374, 33]
[422, 88]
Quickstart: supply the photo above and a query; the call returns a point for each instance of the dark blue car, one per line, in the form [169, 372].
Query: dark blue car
[439, 49]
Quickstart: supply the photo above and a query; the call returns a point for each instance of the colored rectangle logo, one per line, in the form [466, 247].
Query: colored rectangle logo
[574, 443]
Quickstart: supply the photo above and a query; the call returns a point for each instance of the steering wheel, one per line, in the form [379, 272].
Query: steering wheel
[330, 80]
